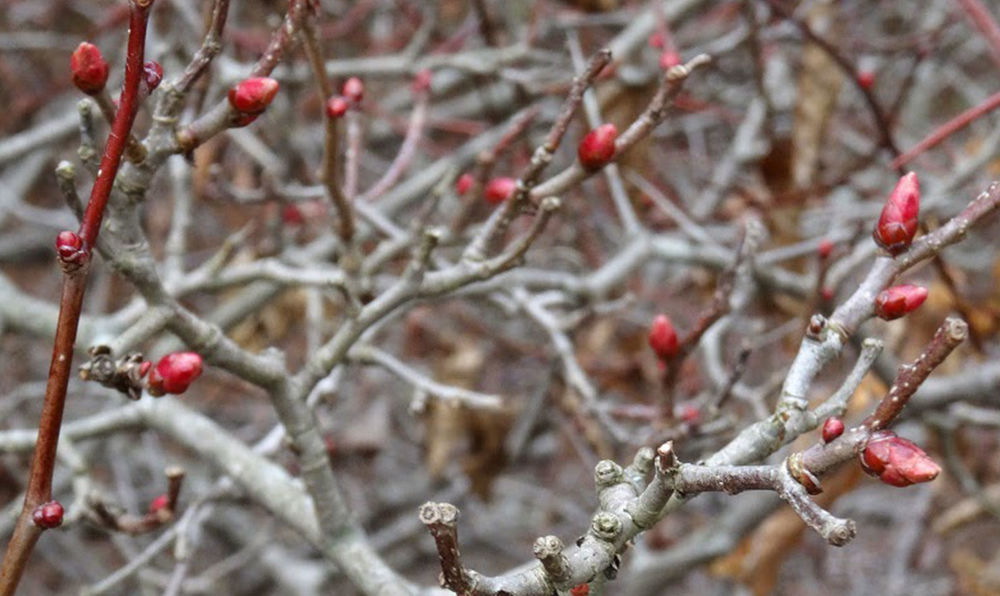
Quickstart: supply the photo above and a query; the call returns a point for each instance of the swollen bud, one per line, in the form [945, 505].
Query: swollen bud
[158, 504]
[152, 74]
[48, 515]
[897, 301]
[422, 81]
[663, 338]
[69, 249]
[353, 90]
[252, 96]
[336, 107]
[832, 428]
[174, 373]
[598, 147]
[896, 461]
[90, 71]
[464, 183]
[669, 59]
[866, 79]
[897, 225]
[499, 189]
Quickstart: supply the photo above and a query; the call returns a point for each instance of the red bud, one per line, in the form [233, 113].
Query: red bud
[252, 96]
[663, 338]
[353, 89]
[464, 183]
[866, 79]
[48, 515]
[832, 428]
[499, 189]
[656, 40]
[598, 147]
[422, 81]
[896, 461]
[152, 74]
[158, 504]
[825, 249]
[897, 301]
[90, 71]
[336, 107]
[689, 412]
[898, 223]
[580, 590]
[174, 373]
[669, 59]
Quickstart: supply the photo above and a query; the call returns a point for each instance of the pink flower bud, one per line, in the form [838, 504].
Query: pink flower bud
[897, 301]
[896, 461]
[597, 147]
[897, 225]
[70, 251]
[663, 338]
[252, 96]
[158, 504]
[499, 189]
[422, 81]
[669, 59]
[825, 249]
[832, 428]
[152, 74]
[90, 71]
[48, 515]
[656, 40]
[464, 183]
[353, 90]
[336, 107]
[174, 373]
[866, 79]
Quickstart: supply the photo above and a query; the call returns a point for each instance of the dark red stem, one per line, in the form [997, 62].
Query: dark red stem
[39, 490]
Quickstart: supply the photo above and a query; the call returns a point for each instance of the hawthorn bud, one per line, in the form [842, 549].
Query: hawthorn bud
[897, 301]
[597, 147]
[832, 428]
[866, 79]
[422, 81]
[499, 190]
[174, 373]
[336, 107]
[896, 461]
[252, 96]
[663, 338]
[825, 249]
[897, 225]
[464, 183]
[158, 504]
[48, 515]
[152, 74]
[669, 59]
[353, 90]
[90, 71]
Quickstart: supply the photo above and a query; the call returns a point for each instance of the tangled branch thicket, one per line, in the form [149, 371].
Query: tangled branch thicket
[479, 297]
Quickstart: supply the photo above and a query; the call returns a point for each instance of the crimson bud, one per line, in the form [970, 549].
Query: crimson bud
[825, 249]
[896, 461]
[464, 183]
[896, 301]
[656, 40]
[580, 590]
[48, 515]
[90, 71]
[336, 107]
[598, 147]
[499, 189]
[353, 89]
[897, 225]
[866, 79]
[252, 96]
[832, 428]
[174, 373]
[663, 338]
[158, 504]
[669, 59]
[152, 74]
[422, 81]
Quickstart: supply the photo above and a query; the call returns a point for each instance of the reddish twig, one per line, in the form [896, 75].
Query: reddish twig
[982, 20]
[947, 129]
[39, 490]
